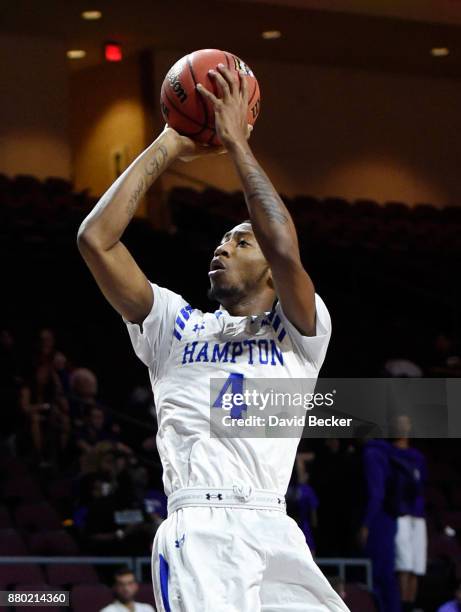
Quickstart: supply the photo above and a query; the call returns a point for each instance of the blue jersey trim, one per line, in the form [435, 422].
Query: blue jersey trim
[164, 570]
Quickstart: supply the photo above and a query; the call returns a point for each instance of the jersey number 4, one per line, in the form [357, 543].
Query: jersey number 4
[235, 384]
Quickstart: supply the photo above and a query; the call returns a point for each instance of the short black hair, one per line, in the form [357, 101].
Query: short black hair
[122, 571]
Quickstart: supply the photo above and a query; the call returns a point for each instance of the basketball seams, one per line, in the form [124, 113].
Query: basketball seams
[253, 94]
[183, 114]
[193, 63]
[202, 101]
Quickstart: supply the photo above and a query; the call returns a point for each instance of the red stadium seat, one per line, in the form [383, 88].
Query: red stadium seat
[15, 573]
[22, 488]
[5, 519]
[69, 574]
[359, 599]
[11, 467]
[444, 547]
[37, 517]
[11, 543]
[90, 597]
[453, 519]
[53, 543]
[146, 594]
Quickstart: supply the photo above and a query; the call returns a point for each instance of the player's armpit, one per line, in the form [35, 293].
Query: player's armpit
[119, 277]
[296, 293]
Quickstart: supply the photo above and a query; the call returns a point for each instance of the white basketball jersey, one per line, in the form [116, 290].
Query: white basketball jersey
[183, 348]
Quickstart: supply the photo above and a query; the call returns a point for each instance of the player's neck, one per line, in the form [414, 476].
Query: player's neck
[249, 305]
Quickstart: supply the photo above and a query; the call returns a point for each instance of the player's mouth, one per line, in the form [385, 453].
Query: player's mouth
[216, 267]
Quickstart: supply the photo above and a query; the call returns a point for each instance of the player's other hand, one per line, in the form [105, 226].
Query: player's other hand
[231, 107]
[187, 149]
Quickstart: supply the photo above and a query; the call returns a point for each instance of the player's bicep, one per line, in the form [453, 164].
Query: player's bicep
[296, 294]
[120, 279]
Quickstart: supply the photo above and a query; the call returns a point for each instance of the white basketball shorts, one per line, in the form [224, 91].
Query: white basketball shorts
[211, 559]
[411, 545]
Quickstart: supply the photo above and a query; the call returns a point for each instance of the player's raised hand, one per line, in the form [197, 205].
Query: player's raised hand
[231, 107]
[188, 149]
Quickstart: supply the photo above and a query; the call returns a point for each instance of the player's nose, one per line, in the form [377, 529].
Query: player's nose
[222, 250]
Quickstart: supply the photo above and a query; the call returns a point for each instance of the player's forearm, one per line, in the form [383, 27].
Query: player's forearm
[272, 223]
[105, 224]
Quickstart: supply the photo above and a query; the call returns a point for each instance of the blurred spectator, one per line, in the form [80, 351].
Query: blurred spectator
[95, 435]
[455, 604]
[110, 525]
[62, 369]
[306, 500]
[445, 360]
[329, 482]
[45, 413]
[10, 380]
[411, 538]
[83, 392]
[379, 525]
[125, 588]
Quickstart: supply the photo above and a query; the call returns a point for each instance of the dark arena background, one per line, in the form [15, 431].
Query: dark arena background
[359, 131]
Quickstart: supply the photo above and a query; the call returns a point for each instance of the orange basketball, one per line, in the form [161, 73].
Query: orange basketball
[185, 109]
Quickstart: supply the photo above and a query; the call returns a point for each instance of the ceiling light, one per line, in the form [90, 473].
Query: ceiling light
[76, 53]
[440, 51]
[91, 15]
[271, 34]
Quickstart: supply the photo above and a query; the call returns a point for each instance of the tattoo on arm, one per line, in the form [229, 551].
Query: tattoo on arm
[152, 170]
[157, 164]
[134, 198]
[260, 189]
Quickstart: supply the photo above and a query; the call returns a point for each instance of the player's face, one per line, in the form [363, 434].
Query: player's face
[238, 267]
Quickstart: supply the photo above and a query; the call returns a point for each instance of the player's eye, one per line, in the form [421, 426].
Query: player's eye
[243, 243]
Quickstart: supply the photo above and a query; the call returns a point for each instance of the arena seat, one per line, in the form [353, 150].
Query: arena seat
[22, 489]
[444, 547]
[146, 594]
[11, 467]
[19, 573]
[5, 518]
[37, 517]
[359, 599]
[53, 543]
[90, 597]
[453, 519]
[11, 543]
[70, 574]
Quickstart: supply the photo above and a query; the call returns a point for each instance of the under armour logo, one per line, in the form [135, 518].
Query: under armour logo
[214, 496]
[179, 542]
[197, 328]
[280, 501]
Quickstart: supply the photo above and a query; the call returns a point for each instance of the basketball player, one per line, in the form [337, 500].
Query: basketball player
[227, 544]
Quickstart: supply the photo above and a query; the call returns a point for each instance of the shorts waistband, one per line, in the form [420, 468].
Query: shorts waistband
[238, 496]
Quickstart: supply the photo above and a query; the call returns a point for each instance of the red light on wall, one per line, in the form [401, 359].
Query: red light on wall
[113, 52]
